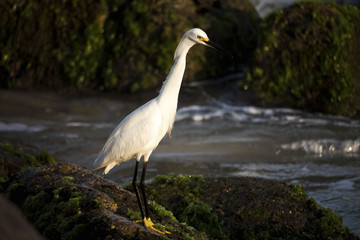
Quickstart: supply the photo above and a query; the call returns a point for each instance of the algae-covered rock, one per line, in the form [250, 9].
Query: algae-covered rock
[146, 33]
[15, 157]
[247, 208]
[308, 57]
[51, 44]
[115, 44]
[64, 201]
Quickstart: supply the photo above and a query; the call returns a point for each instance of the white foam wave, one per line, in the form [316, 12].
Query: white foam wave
[77, 124]
[87, 125]
[20, 127]
[69, 135]
[276, 116]
[324, 146]
[293, 171]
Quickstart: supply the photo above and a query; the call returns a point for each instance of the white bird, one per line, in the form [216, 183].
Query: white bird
[140, 132]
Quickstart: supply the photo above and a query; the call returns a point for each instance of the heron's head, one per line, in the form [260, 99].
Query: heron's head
[200, 37]
[197, 35]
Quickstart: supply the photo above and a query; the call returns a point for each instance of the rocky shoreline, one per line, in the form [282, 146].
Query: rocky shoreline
[65, 201]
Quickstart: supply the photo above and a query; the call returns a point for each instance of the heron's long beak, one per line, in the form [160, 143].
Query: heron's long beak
[211, 44]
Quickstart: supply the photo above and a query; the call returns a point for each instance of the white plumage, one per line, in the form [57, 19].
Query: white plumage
[142, 130]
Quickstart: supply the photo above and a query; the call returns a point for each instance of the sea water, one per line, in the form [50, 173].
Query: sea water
[212, 136]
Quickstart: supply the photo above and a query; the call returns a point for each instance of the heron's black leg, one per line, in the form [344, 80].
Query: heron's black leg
[147, 221]
[136, 189]
[142, 189]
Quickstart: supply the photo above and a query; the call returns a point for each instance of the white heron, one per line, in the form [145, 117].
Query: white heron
[140, 132]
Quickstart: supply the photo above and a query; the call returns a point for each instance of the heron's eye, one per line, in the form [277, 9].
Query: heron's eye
[200, 38]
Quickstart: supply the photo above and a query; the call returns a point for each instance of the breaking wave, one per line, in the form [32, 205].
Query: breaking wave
[251, 114]
[20, 127]
[325, 146]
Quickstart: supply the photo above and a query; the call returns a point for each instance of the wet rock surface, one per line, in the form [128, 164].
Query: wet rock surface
[247, 208]
[307, 58]
[115, 44]
[16, 156]
[65, 201]
[13, 224]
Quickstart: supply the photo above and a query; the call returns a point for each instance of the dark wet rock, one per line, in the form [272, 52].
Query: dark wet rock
[247, 208]
[64, 201]
[16, 156]
[13, 224]
[115, 44]
[307, 57]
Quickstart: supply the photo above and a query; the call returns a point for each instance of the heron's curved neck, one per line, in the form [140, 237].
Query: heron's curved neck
[171, 87]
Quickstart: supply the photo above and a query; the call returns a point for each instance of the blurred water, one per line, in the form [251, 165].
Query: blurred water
[265, 7]
[212, 136]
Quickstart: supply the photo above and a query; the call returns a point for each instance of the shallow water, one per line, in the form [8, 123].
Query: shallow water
[213, 136]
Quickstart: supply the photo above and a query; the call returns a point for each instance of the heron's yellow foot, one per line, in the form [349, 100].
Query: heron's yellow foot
[149, 224]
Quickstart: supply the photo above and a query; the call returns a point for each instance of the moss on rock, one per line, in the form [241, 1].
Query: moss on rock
[14, 159]
[187, 206]
[145, 35]
[114, 44]
[307, 57]
[247, 208]
[57, 214]
[64, 201]
[51, 44]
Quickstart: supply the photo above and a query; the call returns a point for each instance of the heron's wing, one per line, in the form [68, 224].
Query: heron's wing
[136, 135]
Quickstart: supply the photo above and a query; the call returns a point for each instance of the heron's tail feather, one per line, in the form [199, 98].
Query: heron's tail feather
[109, 167]
[101, 163]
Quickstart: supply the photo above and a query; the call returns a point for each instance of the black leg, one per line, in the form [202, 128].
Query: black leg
[147, 221]
[142, 189]
[136, 189]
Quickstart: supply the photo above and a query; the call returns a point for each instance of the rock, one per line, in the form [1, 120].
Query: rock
[64, 201]
[16, 156]
[13, 225]
[247, 208]
[116, 44]
[308, 57]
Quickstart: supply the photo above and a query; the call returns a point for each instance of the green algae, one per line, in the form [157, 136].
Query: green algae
[306, 58]
[327, 224]
[183, 212]
[134, 215]
[298, 192]
[43, 158]
[64, 201]
[274, 214]
[67, 210]
[114, 44]
[200, 216]
[58, 214]
[69, 179]
[162, 212]
[185, 183]
[187, 206]
[39, 159]
[260, 209]
[14, 159]
[162, 216]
